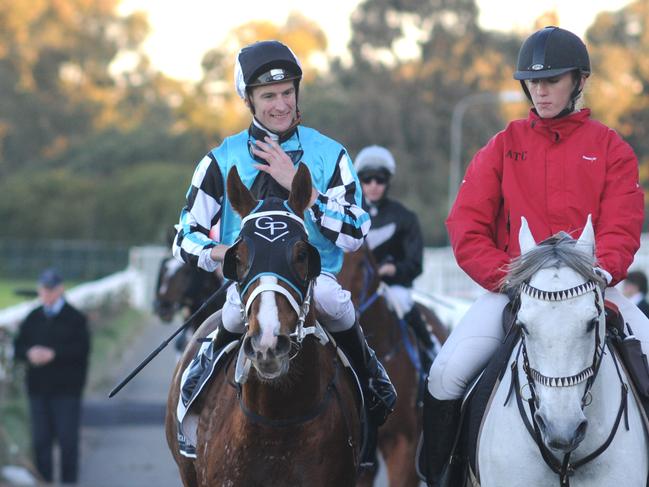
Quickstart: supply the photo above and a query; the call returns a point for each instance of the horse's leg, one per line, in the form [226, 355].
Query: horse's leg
[398, 437]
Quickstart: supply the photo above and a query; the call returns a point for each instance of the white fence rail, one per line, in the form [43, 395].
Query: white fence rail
[443, 277]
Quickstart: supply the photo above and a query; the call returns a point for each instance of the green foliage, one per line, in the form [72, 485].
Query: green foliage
[619, 91]
[406, 104]
[142, 202]
[87, 153]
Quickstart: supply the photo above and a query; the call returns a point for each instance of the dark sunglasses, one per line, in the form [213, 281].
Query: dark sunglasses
[374, 177]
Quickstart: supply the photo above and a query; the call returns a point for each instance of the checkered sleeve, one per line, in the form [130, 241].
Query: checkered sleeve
[338, 212]
[202, 211]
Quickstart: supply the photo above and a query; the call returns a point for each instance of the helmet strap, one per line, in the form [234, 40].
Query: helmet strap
[283, 136]
[576, 92]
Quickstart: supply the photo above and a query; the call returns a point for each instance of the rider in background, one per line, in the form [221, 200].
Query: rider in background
[266, 155]
[394, 239]
[554, 168]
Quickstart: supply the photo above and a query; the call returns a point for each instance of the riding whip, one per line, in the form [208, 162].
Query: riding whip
[152, 355]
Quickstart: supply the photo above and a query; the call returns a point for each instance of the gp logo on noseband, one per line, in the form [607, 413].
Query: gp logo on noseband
[266, 223]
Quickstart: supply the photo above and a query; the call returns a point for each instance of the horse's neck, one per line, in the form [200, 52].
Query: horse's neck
[299, 391]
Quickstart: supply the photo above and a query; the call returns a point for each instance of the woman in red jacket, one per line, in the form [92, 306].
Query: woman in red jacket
[554, 168]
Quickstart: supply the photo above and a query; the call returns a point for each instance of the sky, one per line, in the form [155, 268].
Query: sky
[180, 35]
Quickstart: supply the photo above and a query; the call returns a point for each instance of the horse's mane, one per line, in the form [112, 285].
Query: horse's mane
[556, 251]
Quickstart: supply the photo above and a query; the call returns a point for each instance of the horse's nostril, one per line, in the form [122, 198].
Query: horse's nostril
[283, 346]
[247, 347]
[581, 430]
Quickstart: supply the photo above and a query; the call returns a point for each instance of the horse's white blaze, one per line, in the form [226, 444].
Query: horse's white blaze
[268, 315]
[171, 266]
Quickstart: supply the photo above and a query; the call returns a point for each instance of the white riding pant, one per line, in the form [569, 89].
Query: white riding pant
[479, 333]
[402, 298]
[333, 306]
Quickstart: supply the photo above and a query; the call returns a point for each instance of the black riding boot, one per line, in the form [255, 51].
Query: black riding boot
[441, 420]
[380, 395]
[426, 347]
[202, 362]
[379, 391]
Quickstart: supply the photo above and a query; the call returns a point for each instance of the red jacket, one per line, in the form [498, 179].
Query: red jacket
[554, 172]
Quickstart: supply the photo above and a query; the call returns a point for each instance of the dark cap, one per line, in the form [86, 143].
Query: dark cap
[49, 279]
[550, 52]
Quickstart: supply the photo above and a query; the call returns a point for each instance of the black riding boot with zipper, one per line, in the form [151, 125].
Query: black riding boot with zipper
[441, 420]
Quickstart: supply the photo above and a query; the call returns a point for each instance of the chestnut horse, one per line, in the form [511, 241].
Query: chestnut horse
[292, 419]
[395, 345]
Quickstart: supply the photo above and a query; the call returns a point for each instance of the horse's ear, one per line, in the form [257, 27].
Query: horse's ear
[586, 241]
[240, 197]
[525, 238]
[301, 189]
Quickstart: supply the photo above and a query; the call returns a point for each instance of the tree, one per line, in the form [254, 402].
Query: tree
[405, 102]
[303, 35]
[619, 91]
[55, 84]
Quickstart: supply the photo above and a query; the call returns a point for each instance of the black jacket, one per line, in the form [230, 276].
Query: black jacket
[644, 306]
[67, 334]
[395, 236]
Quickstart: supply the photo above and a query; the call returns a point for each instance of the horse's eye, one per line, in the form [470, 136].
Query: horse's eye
[592, 324]
[301, 256]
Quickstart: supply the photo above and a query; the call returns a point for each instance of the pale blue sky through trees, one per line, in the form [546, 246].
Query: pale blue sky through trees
[182, 31]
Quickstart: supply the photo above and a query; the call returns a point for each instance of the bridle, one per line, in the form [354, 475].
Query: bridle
[275, 232]
[290, 229]
[565, 468]
[590, 372]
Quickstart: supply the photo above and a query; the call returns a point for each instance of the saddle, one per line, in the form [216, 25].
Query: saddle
[477, 399]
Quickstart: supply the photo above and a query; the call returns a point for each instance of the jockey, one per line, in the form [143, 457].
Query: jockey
[266, 155]
[395, 240]
[554, 168]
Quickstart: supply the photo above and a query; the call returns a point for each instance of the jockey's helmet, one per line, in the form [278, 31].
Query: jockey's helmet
[549, 52]
[375, 159]
[265, 63]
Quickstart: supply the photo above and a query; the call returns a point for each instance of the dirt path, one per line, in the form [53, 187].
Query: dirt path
[123, 442]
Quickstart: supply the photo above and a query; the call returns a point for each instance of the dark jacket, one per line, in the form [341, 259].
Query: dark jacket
[67, 334]
[395, 237]
[644, 306]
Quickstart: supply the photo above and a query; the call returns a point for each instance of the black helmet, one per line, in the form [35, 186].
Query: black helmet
[549, 52]
[264, 63]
